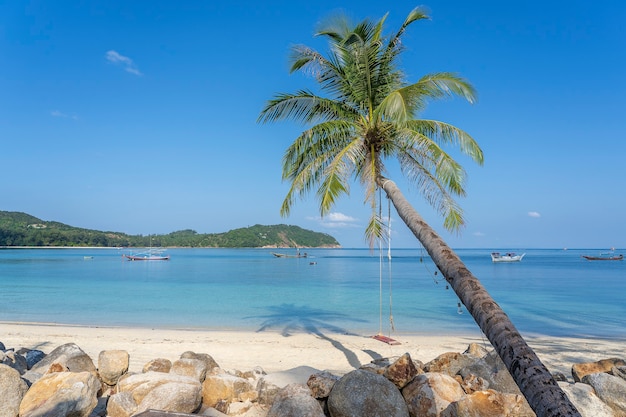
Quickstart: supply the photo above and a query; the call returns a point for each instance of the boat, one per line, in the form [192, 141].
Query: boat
[506, 257]
[148, 255]
[604, 257]
[284, 255]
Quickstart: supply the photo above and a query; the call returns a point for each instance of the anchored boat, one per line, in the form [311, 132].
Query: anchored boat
[604, 257]
[148, 255]
[506, 257]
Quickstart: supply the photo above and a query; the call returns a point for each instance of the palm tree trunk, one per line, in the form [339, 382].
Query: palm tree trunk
[533, 379]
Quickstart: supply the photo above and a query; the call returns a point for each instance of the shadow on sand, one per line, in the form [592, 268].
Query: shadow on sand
[295, 319]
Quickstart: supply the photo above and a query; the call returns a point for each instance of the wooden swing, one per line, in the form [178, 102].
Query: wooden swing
[380, 337]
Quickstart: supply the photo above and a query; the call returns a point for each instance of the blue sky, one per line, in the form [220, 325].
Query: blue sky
[140, 116]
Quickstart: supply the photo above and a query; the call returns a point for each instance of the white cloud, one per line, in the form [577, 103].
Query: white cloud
[479, 234]
[534, 214]
[57, 113]
[336, 220]
[340, 217]
[129, 65]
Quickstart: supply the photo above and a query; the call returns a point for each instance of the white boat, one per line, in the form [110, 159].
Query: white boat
[148, 255]
[506, 257]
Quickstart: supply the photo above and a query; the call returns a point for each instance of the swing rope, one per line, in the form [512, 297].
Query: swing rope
[380, 270]
[379, 336]
[393, 328]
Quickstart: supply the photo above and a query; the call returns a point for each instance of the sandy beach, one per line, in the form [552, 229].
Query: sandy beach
[244, 350]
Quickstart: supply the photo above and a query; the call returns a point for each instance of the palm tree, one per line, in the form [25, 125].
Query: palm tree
[368, 118]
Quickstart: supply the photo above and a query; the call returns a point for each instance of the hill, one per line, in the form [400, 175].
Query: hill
[21, 229]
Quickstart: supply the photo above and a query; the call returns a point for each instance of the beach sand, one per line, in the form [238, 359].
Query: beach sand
[272, 351]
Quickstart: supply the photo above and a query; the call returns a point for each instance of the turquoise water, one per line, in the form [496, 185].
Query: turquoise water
[552, 292]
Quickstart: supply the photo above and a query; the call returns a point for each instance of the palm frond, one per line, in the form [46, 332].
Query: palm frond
[444, 133]
[306, 162]
[374, 229]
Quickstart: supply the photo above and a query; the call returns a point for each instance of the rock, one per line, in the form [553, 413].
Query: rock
[579, 370]
[195, 368]
[610, 389]
[450, 363]
[160, 391]
[112, 364]
[430, 393]
[488, 403]
[14, 360]
[227, 388]
[476, 350]
[559, 377]
[158, 365]
[13, 389]
[61, 394]
[472, 383]
[585, 400]
[70, 356]
[363, 393]
[253, 374]
[269, 385]
[101, 407]
[401, 371]
[121, 404]
[295, 400]
[321, 384]
[619, 371]
[33, 356]
[2, 347]
[206, 358]
[492, 369]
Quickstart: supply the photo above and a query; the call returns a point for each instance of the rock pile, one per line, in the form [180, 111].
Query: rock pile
[66, 382]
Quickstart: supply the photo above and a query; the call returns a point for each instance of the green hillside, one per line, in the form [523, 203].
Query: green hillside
[21, 229]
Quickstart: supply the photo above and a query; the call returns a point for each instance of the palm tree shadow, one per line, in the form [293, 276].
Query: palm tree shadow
[295, 319]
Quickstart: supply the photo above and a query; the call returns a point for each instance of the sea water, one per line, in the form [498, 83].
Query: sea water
[551, 292]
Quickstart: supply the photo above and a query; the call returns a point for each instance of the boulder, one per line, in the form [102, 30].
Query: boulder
[476, 350]
[295, 400]
[206, 358]
[430, 393]
[363, 393]
[619, 371]
[610, 389]
[321, 384]
[450, 363]
[14, 360]
[13, 389]
[195, 368]
[121, 404]
[226, 388]
[488, 403]
[269, 385]
[61, 394]
[253, 374]
[401, 371]
[579, 370]
[112, 364]
[158, 365]
[492, 369]
[585, 400]
[159, 391]
[69, 356]
[33, 356]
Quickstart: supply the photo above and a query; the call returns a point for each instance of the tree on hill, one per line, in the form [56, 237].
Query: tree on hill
[367, 117]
